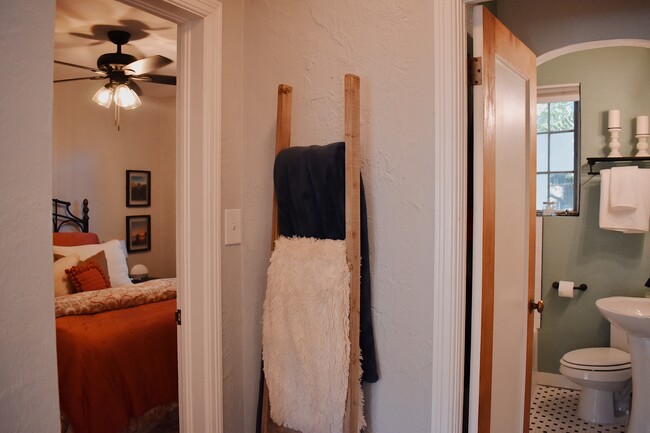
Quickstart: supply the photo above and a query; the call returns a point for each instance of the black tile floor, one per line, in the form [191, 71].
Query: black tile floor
[554, 410]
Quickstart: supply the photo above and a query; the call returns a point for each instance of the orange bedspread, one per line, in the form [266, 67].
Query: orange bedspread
[116, 365]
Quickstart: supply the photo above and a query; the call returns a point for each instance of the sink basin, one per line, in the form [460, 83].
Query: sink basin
[630, 314]
[633, 316]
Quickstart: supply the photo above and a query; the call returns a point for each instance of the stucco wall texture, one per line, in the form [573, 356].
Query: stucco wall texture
[28, 378]
[310, 45]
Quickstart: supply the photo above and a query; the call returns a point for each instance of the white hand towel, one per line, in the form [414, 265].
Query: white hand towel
[623, 188]
[630, 220]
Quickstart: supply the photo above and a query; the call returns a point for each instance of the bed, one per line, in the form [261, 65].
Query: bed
[116, 346]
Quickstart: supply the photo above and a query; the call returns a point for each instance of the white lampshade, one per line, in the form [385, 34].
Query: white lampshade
[139, 271]
[126, 98]
[104, 96]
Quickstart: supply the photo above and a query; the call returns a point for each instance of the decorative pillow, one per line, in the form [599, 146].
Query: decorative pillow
[118, 271]
[100, 260]
[61, 284]
[87, 277]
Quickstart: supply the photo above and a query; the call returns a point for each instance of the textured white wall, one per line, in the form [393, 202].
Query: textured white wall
[310, 45]
[28, 379]
[231, 198]
[90, 158]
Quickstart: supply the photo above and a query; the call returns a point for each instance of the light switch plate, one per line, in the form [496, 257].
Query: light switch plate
[232, 229]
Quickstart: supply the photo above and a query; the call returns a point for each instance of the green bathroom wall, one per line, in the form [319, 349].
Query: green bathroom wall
[575, 248]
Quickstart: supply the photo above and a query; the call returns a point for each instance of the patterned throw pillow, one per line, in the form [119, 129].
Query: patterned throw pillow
[87, 277]
[100, 260]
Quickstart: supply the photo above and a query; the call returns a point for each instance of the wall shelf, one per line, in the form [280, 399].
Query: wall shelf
[615, 162]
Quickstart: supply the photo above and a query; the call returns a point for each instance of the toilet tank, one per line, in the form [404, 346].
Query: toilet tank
[618, 338]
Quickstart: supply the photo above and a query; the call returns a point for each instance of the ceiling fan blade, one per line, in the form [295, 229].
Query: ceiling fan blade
[78, 79]
[135, 87]
[79, 66]
[145, 65]
[98, 39]
[162, 79]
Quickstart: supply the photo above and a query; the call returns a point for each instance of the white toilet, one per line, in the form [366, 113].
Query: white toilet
[605, 375]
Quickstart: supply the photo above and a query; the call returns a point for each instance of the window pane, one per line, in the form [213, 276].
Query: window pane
[561, 116]
[562, 149]
[542, 117]
[542, 152]
[542, 190]
[561, 190]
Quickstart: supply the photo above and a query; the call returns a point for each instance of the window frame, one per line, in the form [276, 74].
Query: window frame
[563, 93]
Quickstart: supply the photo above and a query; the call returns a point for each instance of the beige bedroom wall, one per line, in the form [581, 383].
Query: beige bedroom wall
[90, 158]
[168, 187]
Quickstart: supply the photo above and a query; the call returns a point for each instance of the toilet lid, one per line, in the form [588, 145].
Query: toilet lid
[597, 358]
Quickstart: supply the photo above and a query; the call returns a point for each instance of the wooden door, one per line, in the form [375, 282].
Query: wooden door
[504, 225]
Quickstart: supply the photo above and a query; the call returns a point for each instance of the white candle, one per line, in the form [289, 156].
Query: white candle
[614, 119]
[642, 125]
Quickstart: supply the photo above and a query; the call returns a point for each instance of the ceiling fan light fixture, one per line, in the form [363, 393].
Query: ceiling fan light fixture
[104, 96]
[126, 98]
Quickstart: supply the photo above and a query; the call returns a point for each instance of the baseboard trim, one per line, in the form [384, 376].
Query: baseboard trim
[551, 379]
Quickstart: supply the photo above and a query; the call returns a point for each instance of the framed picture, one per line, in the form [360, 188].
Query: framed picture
[138, 233]
[138, 188]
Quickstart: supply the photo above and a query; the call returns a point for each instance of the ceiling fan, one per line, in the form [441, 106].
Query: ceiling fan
[123, 71]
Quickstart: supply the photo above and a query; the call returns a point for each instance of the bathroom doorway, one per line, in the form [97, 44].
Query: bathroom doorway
[573, 247]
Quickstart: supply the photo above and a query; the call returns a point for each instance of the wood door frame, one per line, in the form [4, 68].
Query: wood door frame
[198, 210]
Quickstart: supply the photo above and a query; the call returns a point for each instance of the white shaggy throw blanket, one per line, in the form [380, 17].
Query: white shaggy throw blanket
[305, 341]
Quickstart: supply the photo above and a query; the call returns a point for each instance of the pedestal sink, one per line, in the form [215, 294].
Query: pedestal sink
[633, 316]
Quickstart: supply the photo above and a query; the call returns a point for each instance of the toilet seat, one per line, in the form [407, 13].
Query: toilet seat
[597, 359]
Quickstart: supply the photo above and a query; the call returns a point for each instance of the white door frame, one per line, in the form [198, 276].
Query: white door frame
[198, 208]
[450, 217]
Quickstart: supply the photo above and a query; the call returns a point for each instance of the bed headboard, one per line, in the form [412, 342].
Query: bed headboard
[62, 215]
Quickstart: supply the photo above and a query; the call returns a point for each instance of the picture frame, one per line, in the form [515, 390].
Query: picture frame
[138, 233]
[138, 188]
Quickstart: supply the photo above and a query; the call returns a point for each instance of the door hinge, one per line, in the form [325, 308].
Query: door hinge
[178, 317]
[476, 71]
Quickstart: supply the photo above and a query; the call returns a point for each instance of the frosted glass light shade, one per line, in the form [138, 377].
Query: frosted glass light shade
[104, 96]
[126, 98]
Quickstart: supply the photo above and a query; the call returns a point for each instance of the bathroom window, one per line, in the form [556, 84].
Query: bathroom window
[558, 149]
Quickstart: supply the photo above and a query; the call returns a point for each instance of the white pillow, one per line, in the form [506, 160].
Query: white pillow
[123, 245]
[61, 284]
[118, 271]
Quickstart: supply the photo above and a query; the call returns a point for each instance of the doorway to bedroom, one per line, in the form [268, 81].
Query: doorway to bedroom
[105, 154]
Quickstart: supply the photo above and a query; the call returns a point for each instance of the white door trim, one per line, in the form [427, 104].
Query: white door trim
[590, 45]
[198, 214]
[450, 217]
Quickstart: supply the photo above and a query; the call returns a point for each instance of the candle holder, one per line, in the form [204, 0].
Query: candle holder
[614, 144]
[642, 145]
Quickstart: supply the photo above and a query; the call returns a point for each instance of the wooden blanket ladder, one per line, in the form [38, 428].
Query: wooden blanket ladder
[352, 236]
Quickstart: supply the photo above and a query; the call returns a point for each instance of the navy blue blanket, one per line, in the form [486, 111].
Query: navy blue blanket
[310, 192]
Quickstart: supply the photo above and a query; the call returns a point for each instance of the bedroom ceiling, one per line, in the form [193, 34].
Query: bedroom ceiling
[80, 38]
